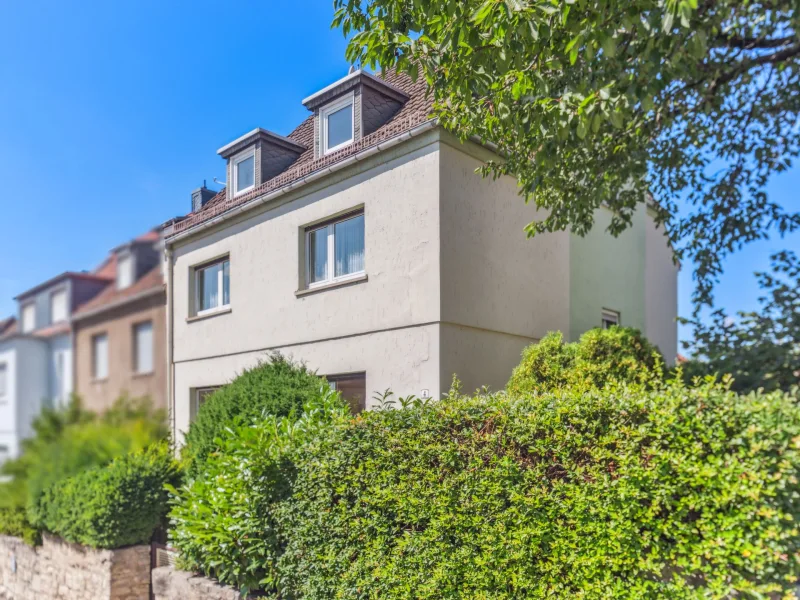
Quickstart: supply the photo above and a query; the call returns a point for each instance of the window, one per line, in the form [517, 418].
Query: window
[200, 396]
[124, 271]
[353, 388]
[213, 286]
[3, 381]
[244, 172]
[143, 348]
[610, 318]
[28, 317]
[100, 356]
[58, 306]
[335, 251]
[60, 363]
[337, 124]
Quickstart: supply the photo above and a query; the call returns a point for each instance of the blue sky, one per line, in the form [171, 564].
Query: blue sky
[111, 113]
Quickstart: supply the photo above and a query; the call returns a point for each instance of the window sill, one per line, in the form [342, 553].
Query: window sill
[99, 379]
[207, 315]
[143, 375]
[330, 286]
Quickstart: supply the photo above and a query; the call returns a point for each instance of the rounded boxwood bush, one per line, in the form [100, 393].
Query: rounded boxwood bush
[276, 386]
[617, 493]
[599, 357]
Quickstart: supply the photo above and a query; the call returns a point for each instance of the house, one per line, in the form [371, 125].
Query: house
[119, 335]
[364, 244]
[36, 367]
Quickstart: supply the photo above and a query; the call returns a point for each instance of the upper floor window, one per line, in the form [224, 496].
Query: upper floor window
[212, 286]
[100, 356]
[3, 381]
[335, 251]
[244, 172]
[58, 306]
[124, 271]
[610, 318]
[337, 124]
[28, 317]
[143, 348]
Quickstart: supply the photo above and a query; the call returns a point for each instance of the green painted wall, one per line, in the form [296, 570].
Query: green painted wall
[607, 272]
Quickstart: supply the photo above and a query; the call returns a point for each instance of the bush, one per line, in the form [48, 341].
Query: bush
[116, 505]
[617, 493]
[14, 521]
[600, 356]
[223, 521]
[277, 387]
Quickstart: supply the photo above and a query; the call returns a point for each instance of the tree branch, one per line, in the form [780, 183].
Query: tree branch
[755, 43]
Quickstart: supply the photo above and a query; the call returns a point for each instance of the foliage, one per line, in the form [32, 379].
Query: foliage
[599, 357]
[600, 102]
[14, 521]
[222, 520]
[111, 506]
[615, 493]
[760, 349]
[68, 441]
[277, 387]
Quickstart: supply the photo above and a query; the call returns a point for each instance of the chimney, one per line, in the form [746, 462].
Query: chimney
[201, 196]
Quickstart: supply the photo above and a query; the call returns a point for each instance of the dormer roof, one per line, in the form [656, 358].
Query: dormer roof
[349, 82]
[259, 134]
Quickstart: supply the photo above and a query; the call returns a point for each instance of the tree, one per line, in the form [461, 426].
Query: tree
[761, 349]
[600, 102]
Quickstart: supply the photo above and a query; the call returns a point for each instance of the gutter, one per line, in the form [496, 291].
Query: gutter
[168, 255]
[289, 187]
[121, 302]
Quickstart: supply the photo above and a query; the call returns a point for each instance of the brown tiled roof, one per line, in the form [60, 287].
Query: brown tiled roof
[413, 113]
[113, 296]
[51, 330]
[8, 327]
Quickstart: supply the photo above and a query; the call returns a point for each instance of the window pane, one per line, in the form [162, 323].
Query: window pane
[318, 255]
[58, 307]
[340, 126]
[28, 318]
[245, 173]
[3, 380]
[226, 283]
[100, 356]
[208, 280]
[349, 241]
[124, 272]
[143, 340]
[353, 389]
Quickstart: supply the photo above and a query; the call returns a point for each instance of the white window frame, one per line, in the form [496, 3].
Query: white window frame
[25, 307]
[3, 381]
[325, 112]
[53, 295]
[95, 375]
[136, 348]
[220, 281]
[125, 260]
[331, 238]
[609, 316]
[243, 156]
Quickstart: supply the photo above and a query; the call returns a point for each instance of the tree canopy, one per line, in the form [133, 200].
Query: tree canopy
[692, 103]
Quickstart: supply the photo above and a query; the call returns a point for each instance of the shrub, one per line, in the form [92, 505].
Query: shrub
[14, 521]
[623, 492]
[116, 505]
[223, 522]
[277, 387]
[600, 356]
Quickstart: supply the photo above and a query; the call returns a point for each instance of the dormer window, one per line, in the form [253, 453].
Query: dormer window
[244, 172]
[337, 124]
[124, 271]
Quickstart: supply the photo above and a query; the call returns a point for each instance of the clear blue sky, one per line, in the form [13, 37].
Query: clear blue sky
[111, 113]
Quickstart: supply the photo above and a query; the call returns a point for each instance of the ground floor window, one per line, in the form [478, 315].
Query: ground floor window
[200, 395]
[610, 318]
[352, 387]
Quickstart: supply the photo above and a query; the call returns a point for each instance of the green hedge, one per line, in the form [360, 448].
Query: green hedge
[624, 492]
[600, 356]
[112, 506]
[277, 387]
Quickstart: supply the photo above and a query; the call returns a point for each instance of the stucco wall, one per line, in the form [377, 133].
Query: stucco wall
[661, 293]
[57, 570]
[60, 389]
[118, 324]
[32, 387]
[9, 432]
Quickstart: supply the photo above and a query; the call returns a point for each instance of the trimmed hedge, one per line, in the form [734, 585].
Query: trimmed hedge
[116, 505]
[599, 357]
[624, 492]
[276, 387]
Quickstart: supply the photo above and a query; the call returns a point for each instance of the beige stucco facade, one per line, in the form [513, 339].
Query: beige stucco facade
[452, 286]
[118, 324]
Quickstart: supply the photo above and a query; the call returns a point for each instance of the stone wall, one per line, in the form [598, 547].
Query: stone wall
[169, 584]
[58, 570]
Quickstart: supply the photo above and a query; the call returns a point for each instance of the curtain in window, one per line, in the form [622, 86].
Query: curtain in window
[318, 254]
[144, 348]
[101, 357]
[349, 238]
[226, 283]
[209, 292]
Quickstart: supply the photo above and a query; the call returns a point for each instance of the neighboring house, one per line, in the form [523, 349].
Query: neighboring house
[365, 245]
[119, 335]
[36, 368]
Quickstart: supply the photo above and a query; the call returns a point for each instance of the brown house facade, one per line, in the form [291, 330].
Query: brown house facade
[120, 335]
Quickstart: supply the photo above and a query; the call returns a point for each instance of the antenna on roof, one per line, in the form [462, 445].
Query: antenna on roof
[352, 70]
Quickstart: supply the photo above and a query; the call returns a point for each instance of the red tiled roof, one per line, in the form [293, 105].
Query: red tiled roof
[50, 331]
[113, 296]
[414, 112]
[108, 268]
[8, 327]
